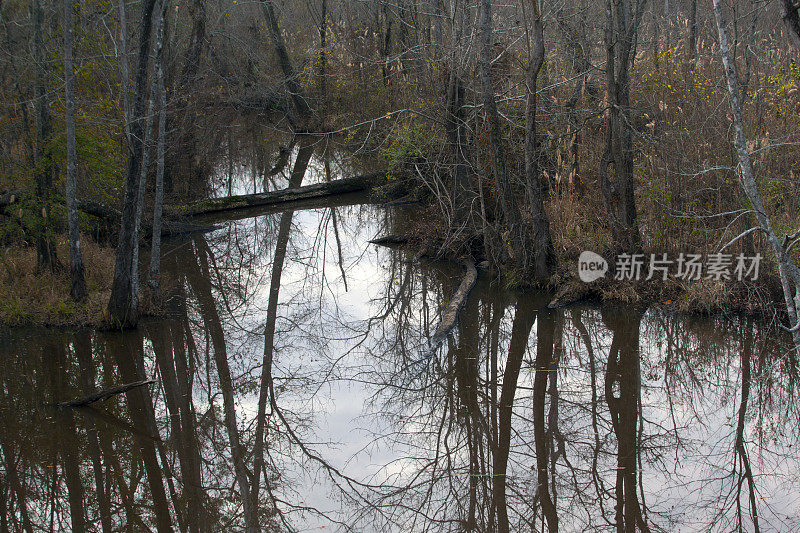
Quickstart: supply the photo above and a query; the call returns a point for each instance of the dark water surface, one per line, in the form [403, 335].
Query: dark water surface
[591, 418]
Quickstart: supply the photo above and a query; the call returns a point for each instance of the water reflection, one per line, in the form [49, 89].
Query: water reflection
[295, 391]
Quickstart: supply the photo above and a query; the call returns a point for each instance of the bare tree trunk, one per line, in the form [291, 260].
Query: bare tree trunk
[125, 70]
[123, 306]
[323, 37]
[543, 255]
[78, 286]
[788, 270]
[289, 74]
[386, 43]
[692, 42]
[616, 169]
[158, 201]
[791, 19]
[511, 214]
[46, 256]
[455, 125]
[148, 129]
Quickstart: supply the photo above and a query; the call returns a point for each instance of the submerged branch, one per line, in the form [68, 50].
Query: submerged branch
[450, 315]
[104, 394]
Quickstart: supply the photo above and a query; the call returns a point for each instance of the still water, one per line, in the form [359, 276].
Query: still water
[526, 419]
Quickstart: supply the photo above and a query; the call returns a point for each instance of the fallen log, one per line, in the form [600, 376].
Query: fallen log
[315, 191]
[104, 394]
[169, 228]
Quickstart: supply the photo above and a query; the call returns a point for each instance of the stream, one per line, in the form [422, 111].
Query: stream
[589, 416]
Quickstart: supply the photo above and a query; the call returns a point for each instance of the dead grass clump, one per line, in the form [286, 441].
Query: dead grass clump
[28, 297]
[705, 296]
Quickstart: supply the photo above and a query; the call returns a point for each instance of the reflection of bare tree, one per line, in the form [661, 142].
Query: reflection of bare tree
[622, 386]
[83, 353]
[524, 317]
[55, 360]
[743, 471]
[198, 277]
[127, 352]
[546, 371]
[266, 390]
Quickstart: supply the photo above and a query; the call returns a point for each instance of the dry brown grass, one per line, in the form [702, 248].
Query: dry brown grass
[28, 297]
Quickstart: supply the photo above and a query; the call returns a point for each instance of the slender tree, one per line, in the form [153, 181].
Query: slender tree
[510, 208]
[542, 255]
[296, 92]
[78, 286]
[46, 257]
[788, 270]
[123, 306]
[616, 169]
[158, 202]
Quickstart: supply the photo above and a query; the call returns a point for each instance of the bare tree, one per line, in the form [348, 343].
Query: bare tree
[78, 286]
[46, 256]
[123, 306]
[616, 168]
[543, 256]
[788, 270]
[158, 201]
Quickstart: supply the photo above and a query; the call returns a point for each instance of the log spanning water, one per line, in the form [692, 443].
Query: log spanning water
[284, 196]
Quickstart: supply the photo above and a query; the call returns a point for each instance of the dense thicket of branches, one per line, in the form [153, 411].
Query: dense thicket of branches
[534, 128]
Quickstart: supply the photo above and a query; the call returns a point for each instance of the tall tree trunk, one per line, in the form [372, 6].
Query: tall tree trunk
[191, 162]
[455, 122]
[123, 306]
[692, 42]
[78, 285]
[616, 169]
[125, 71]
[791, 19]
[543, 259]
[323, 37]
[46, 257]
[290, 77]
[511, 213]
[386, 43]
[148, 129]
[158, 201]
